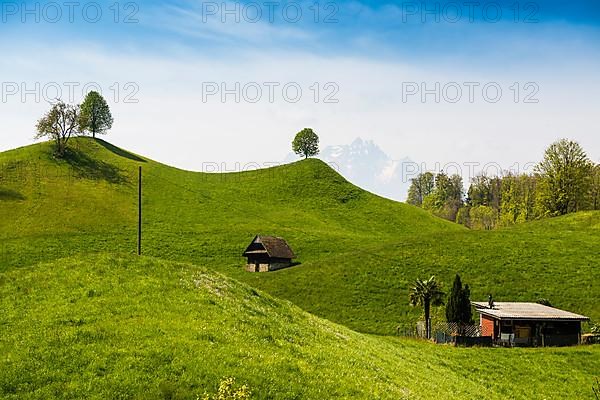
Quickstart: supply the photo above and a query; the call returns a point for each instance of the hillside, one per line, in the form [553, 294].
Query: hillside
[358, 252]
[126, 327]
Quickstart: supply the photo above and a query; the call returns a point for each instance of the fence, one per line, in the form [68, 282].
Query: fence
[445, 332]
[411, 330]
[441, 331]
[459, 334]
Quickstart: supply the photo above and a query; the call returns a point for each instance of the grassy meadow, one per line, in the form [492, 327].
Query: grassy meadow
[116, 327]
[358, 252]
[82, 317]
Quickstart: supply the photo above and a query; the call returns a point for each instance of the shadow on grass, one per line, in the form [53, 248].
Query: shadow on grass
[89, 168]
[10, 195]
[118, 151]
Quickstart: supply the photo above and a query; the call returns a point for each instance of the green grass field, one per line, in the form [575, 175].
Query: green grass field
[113, 327]
[359, 252]
[82, 317]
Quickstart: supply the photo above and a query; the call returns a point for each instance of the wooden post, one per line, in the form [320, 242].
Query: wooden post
[139, 238]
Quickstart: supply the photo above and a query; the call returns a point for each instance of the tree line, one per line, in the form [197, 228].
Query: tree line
[565, 181]
[64, 121]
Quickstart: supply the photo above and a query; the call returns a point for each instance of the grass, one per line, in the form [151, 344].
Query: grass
[359, 253]
[108, 326]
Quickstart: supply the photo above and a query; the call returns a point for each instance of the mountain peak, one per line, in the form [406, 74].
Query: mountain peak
[365, 164]
[357, 142]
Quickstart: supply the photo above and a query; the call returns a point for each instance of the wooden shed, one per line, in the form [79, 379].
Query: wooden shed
[268, 253]
[529, 324]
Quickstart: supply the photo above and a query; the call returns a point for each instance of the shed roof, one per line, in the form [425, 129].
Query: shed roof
[274, 246]
[529, 311]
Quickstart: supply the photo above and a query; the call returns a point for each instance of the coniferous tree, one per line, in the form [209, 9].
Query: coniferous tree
[466, 310]
[454, 301]
[458, 307]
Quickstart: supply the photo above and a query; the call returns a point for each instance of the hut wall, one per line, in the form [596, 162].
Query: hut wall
[266, 264]
[279, 265]
[561, 340]
[487, 326]
[563, 333]
[263, 267]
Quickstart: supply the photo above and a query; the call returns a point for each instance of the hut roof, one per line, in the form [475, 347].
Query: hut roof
[529, 311]
[274, 247]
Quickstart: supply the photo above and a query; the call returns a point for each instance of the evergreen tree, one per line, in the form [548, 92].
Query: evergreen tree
[458, 307]
[466, 310]
[454, 301]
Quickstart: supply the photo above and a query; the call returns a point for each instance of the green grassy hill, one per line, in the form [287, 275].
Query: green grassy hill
[111, 327]
[359, 252]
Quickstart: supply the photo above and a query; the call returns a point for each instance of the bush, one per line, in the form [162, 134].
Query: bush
[227, 391]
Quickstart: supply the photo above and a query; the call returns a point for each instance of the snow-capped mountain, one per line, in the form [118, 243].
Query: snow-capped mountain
[366, 165]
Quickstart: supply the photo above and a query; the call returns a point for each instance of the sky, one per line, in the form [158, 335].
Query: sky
[465, 85]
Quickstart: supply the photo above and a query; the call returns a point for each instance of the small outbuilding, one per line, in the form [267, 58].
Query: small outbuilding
[268, 253]
[529, 324]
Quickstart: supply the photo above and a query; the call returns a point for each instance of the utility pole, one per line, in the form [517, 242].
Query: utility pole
[139, 238]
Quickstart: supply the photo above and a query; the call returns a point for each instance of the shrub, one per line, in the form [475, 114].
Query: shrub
[227, 391]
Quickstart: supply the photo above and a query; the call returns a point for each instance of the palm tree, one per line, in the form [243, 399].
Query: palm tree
[427, 293]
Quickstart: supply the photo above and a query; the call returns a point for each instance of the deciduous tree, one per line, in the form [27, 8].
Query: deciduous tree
[306, 143]
[564, 172]
[95, 116]
[59, 124]
[594, 197]
[420, 187]
[483, 217]
[519, 199]
[447, 197]
[484, 191]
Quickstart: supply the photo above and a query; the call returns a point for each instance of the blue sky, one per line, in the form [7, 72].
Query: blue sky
[368, 49]
[409, 30]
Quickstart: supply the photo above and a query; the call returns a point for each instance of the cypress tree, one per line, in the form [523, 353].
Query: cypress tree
[454, 304]
[466, 311]
[458, 307]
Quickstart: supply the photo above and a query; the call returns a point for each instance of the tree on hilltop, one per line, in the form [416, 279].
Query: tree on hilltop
[59, 124]
[95, 116]
[306, 143]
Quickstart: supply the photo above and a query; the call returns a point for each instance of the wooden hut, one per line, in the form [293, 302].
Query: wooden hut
[529, 324]
[268, 253]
